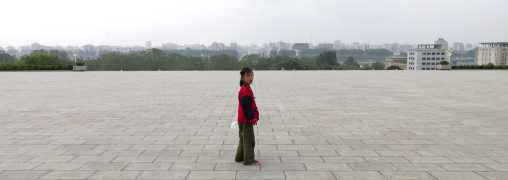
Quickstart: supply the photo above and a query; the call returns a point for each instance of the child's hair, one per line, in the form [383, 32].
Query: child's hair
[242, 72]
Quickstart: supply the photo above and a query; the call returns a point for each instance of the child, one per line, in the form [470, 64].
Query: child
[248, 116]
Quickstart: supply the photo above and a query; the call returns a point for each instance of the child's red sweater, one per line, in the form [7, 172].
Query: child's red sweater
[247, 109]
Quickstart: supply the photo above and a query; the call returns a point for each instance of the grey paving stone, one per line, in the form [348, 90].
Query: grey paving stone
[406, 175]
[465, 167]
[202, 166]
[212, 175]
[147, 167]
[264, 175]
[22, 174]
[494, 175]
[358, 175]
[103, 166]
[299, 159]
[68, 175]
[418, 167]
[304, 175]
[275, 166]
[372, 166]
[18, 166]
[237, 167]
[59, 166]
[164, 175]
[327, 167]
[116, 175]
[456, 175]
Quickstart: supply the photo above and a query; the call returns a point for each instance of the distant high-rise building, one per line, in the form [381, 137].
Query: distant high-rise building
[492, 52]
[443, 42]
[426, 57]
[300, 46]
[355, 45]
[469, 46]
[233, 45]
[89, 47]
[195, 46]
[37, 46]
[9, 48]
[327, 46]
[337, 45]
[217, 46]
[148, 44]
[365, 46]
[1, 48]
[169, 46]
[458, 46]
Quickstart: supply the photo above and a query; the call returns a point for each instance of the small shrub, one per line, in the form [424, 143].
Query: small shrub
[80, 63]
[444, 62]
[26, 68]
[394, 68]
[33, 68]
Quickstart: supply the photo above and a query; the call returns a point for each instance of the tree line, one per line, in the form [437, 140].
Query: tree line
[156, 59]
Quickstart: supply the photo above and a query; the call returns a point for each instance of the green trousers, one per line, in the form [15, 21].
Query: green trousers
[245, 151]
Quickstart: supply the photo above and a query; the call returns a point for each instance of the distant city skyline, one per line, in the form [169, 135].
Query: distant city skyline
[130, 23]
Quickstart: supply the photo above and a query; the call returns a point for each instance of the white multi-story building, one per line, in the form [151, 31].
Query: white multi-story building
[492, 52]
[148, 44]
[217, 46]
[426, 57]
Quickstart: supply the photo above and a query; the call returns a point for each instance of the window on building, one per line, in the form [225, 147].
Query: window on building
[442, 58]
[424, 53]
[433, 53]
[423, 68]
[423, 63]
[431, 68]
[442, 53]
[433, 58]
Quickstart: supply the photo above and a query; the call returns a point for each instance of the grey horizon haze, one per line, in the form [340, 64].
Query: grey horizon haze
[129, 23]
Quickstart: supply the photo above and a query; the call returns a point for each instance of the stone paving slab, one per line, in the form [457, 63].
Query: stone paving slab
[314, 125]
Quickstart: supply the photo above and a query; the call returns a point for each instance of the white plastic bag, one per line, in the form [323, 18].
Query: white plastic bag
[234, 124]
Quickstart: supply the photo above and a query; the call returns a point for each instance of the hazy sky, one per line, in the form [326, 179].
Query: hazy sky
[132, 22]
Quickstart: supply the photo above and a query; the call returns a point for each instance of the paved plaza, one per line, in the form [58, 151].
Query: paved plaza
[313, 125]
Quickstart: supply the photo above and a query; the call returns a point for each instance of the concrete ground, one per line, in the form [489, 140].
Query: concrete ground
[314, 125]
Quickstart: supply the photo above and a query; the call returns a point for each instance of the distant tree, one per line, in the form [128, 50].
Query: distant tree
[287, 52]
[42, 59]
[5, 57]
[312, 51]
[366, 67]
[38, 52]
[273, 53]
[378, 52]
[394, 68]
[327, 57]
[223, 62]
[12, 51]
[250, 60]
[378, 66]
[470, 53]
[350, 61]
[403, 54]
[61, 54]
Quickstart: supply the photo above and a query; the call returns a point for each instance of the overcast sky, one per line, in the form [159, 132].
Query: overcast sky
[132, 22]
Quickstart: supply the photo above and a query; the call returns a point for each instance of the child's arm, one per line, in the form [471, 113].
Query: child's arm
[245, 101]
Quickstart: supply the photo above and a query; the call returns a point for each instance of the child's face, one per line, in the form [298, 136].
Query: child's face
[248, 77]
